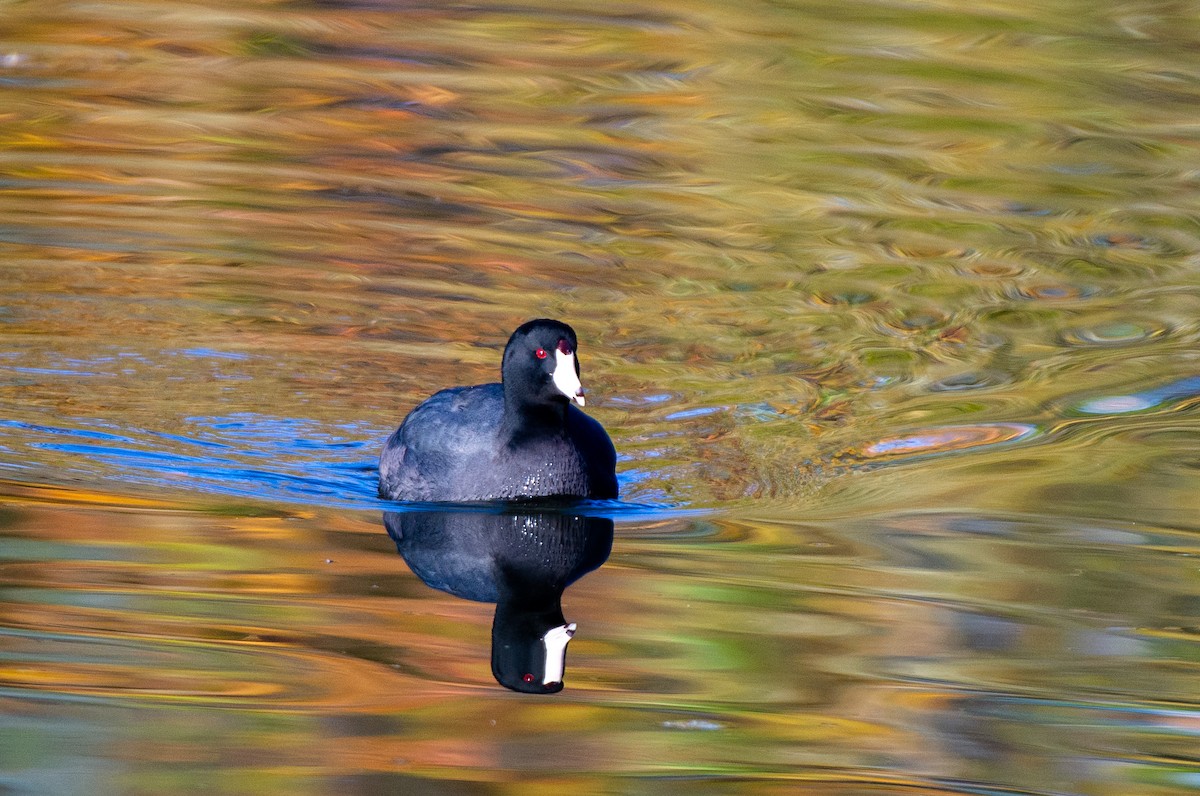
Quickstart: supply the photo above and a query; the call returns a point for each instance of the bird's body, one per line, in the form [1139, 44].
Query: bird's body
[511, 441]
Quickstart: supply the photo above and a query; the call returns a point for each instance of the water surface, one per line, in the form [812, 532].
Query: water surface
[891, 311]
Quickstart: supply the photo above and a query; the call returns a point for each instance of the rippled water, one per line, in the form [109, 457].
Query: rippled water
[891, 310]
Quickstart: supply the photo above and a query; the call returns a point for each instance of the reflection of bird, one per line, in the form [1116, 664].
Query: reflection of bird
[520, 559]
[519, 439]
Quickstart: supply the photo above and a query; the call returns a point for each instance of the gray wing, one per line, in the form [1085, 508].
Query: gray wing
[439, 441]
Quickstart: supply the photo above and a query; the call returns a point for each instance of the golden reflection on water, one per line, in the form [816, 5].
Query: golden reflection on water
[905, 298]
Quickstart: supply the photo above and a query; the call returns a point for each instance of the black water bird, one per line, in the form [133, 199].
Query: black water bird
[517, 440]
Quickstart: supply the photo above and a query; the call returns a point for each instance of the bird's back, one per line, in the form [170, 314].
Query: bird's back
[430, 455]
[450, 448]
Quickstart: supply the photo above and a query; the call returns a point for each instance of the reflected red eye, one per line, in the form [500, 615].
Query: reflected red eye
[540, 353]
[529, 677]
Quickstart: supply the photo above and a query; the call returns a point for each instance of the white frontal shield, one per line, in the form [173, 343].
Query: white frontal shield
[565, 377]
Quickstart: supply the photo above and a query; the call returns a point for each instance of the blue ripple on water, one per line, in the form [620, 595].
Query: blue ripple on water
[249, 455]
[120, 454]
[76, 432]
[210, 353]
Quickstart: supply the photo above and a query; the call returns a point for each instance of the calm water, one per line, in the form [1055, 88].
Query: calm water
[892, 311]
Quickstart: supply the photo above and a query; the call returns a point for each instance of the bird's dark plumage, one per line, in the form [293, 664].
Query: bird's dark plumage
[517, 440]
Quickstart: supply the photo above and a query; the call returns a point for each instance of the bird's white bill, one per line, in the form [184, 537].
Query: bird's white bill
[565, 377]
[555, 641]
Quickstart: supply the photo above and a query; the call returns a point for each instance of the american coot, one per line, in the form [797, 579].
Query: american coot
[517, 440]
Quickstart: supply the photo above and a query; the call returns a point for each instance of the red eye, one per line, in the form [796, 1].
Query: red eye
[529, 677]
[540, 353]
